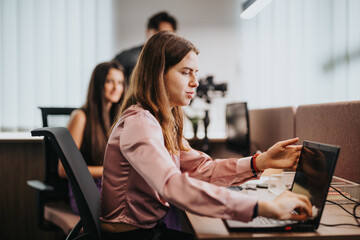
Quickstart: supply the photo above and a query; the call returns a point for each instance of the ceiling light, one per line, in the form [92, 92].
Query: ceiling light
[253, 7]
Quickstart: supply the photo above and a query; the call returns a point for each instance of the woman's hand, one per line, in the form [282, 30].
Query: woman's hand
[287, 206]
[283, 155]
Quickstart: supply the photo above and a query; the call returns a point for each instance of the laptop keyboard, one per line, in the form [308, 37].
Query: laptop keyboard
[271, 221]
[265, 195]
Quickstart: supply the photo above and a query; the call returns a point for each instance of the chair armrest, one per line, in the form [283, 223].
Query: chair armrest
[40, 186]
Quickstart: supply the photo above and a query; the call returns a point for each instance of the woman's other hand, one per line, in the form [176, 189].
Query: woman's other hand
[287, 206]
[282, 155]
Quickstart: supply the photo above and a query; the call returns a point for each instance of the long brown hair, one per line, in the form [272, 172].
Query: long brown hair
[98, 120]
[147, 87]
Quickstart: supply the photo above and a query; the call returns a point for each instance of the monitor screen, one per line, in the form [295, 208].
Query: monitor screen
[237, 124]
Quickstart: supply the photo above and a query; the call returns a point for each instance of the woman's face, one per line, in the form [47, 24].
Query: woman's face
[181, 81]
[114, 85]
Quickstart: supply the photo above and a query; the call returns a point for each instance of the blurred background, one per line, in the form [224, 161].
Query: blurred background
[293, 52]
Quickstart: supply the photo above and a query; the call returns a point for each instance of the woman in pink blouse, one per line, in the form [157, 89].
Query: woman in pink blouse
[148, 164]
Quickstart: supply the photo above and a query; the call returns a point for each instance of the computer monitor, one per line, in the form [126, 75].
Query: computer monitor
[237, 127]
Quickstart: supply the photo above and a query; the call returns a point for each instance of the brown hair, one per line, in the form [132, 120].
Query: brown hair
[147, 87]
[98, 120]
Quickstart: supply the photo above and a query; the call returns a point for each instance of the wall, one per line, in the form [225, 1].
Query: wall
[301, 52]
[48, 50]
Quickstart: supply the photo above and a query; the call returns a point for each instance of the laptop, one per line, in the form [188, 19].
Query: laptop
[312, 178]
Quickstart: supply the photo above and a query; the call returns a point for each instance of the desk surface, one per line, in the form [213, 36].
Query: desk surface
[18, 137]
[214, 228]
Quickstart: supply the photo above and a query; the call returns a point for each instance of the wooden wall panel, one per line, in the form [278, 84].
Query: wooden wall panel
[21, 160]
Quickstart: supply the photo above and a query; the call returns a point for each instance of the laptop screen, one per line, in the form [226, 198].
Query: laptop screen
[237, 123]
[313, 175]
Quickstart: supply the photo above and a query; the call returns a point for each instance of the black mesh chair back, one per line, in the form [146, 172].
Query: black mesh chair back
[86, 194]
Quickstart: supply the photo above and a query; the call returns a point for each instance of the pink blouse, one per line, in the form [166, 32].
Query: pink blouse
[140, 177]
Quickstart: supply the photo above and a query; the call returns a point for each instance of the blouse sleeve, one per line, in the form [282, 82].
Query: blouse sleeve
[222, 172]
[142, 145]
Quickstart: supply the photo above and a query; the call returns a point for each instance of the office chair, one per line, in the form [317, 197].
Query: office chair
[52, 198]
[48, 111]
[86, 194]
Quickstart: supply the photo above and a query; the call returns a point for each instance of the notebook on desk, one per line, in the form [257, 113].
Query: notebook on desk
[312, 178]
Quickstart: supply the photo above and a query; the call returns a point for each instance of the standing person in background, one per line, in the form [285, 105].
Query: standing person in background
[161, 21]
[148, 163]
[89, 126]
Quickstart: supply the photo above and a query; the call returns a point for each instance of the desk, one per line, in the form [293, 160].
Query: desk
[214, 228]
[21, 159]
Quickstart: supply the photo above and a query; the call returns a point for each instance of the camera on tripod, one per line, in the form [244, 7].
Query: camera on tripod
[207, 88]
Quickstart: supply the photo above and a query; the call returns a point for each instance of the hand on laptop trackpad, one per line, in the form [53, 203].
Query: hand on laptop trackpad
[315, 212]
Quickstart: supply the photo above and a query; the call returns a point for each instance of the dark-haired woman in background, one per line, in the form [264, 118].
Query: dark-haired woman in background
[90, 125]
